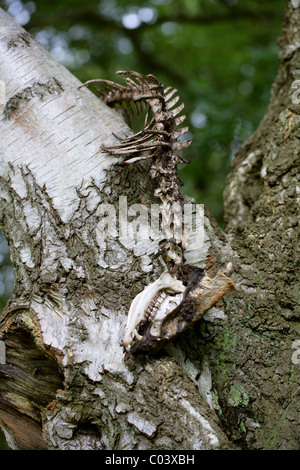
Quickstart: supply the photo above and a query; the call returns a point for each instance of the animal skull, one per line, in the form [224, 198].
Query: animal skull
[155, 301]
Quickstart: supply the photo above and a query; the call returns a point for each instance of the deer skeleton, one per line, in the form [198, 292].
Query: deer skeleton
[157, 142]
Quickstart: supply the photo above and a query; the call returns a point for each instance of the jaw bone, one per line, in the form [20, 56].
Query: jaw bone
[152, 301]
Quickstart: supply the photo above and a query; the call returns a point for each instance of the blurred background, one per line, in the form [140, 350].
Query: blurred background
[221, 55]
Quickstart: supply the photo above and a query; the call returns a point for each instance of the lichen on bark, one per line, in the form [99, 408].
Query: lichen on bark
[230, 380]
[262, 213]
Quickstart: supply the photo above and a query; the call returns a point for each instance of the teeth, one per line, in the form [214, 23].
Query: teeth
[139, 309]
[183, 144]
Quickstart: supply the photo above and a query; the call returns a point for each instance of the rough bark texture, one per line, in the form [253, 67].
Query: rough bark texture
[65, 384]
[230, 380]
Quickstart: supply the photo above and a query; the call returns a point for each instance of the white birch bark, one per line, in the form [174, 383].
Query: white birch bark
[73, 290]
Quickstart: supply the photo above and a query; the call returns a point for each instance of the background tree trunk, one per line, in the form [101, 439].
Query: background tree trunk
[259, 382]
[65, 385]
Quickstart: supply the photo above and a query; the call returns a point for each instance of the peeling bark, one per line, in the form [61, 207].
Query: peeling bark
[259, 384]
[66, 380]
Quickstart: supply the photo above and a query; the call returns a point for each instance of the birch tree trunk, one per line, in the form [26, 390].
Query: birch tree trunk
[230, 382]
[65, 384]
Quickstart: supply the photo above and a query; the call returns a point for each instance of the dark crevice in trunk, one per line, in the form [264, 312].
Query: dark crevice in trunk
[28, 383]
